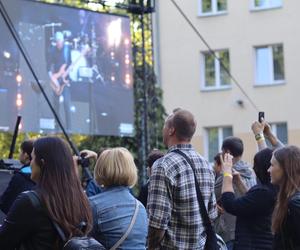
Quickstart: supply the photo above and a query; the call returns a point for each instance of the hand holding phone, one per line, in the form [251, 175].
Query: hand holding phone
[261, 116]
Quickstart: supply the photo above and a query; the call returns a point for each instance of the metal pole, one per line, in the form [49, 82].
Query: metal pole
[145, 93]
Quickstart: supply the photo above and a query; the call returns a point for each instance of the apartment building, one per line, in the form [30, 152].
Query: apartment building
[257, 41]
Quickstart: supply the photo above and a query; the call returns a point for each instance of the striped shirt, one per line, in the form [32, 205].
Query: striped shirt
[172, 199]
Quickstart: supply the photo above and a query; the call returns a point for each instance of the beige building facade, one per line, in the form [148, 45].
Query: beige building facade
[258, 41]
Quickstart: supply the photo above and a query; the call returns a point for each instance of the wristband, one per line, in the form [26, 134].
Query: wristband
[259, 137]
[227, 174]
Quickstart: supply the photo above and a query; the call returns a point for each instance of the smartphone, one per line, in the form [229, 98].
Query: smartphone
[261, 116]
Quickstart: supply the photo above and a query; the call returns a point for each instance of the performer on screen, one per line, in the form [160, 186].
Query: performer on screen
[59, 62]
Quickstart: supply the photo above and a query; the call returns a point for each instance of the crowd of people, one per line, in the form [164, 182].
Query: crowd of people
[184, 203]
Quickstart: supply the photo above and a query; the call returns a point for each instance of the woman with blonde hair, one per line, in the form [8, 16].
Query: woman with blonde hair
[285, 172]
[120, 220]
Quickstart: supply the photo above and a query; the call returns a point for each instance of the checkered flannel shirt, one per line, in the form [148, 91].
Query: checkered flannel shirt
[172, 199]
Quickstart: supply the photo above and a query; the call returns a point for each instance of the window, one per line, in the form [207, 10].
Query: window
[280, 130]
[269, 64]
[212, 7]
[214, 139]
[214, 75]
[266, 4]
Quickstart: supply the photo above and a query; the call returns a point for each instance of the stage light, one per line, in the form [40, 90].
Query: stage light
[127, 61]
[113, 78]
[127, 79]
[126, 41]
[19, 78]
[112, 54]
[19, 96]
[73, 109]
[6, 54]
[19, 102]
[114, 33]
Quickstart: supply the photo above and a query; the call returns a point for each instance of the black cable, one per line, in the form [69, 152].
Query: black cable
[214, 54]
[24, 53]
[9, 24]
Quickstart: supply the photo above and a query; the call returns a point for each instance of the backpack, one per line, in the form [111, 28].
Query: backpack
[75, 243]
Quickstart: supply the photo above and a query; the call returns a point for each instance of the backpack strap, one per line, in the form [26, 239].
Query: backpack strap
[121, 240]
[35, 200]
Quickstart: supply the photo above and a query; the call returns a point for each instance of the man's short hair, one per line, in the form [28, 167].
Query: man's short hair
[27, 147]
[154, 155]
[184, 124]
[217, 158]
[233, 145]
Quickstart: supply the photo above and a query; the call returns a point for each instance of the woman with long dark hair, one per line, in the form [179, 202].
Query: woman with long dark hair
[285, 172]
[254, 209]
[62, 200]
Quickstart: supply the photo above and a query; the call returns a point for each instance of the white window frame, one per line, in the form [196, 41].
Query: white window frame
[220, 139]
[214, 11]
[217, 64]
[267, 7]
[274, 128]
[271, 80]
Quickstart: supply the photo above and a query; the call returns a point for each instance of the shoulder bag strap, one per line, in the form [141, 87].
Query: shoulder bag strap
[35, 200]
[121, 240]
[203, 210]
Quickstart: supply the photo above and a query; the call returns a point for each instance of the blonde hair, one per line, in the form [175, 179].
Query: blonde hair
[115, 167]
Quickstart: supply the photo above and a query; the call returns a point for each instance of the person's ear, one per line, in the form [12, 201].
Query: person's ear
[171, 131]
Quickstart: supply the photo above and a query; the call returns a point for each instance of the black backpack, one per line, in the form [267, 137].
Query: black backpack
[75, 243]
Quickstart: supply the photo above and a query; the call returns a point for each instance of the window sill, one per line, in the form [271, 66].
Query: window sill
[210, 14]
[214, 89]
[258, 9]
[273, 84]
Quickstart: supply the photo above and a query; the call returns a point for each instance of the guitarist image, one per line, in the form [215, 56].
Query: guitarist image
[59, 59]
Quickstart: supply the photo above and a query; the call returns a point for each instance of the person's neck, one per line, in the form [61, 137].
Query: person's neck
[174, 142]
[236, 159]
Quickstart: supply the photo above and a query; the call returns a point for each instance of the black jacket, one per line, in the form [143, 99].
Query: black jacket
[253, 212]
[289, 237]
[19, 183]
[28, 226]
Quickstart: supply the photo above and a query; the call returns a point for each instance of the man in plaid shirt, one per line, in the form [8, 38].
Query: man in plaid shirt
[174, 214]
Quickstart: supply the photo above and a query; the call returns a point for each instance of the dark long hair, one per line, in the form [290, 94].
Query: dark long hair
[59, 186]
[289, 160]
[262, 164]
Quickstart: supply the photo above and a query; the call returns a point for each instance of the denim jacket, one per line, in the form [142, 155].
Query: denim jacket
[113, 211]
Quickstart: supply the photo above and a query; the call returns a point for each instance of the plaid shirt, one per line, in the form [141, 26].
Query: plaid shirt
[172, 199]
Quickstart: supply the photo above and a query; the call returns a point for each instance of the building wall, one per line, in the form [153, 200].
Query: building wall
[239, 30]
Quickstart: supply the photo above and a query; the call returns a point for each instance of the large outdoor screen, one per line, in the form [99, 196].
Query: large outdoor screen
[82, 60]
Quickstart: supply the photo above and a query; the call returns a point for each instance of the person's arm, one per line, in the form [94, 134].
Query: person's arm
[258, 131]
[258, 202]
[158, 206]
[227, 173]
[275, 142]
[89, 154]
[155, 236]
[19, 223]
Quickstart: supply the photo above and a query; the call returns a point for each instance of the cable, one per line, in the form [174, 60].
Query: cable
[24, 53]
[214, 55]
